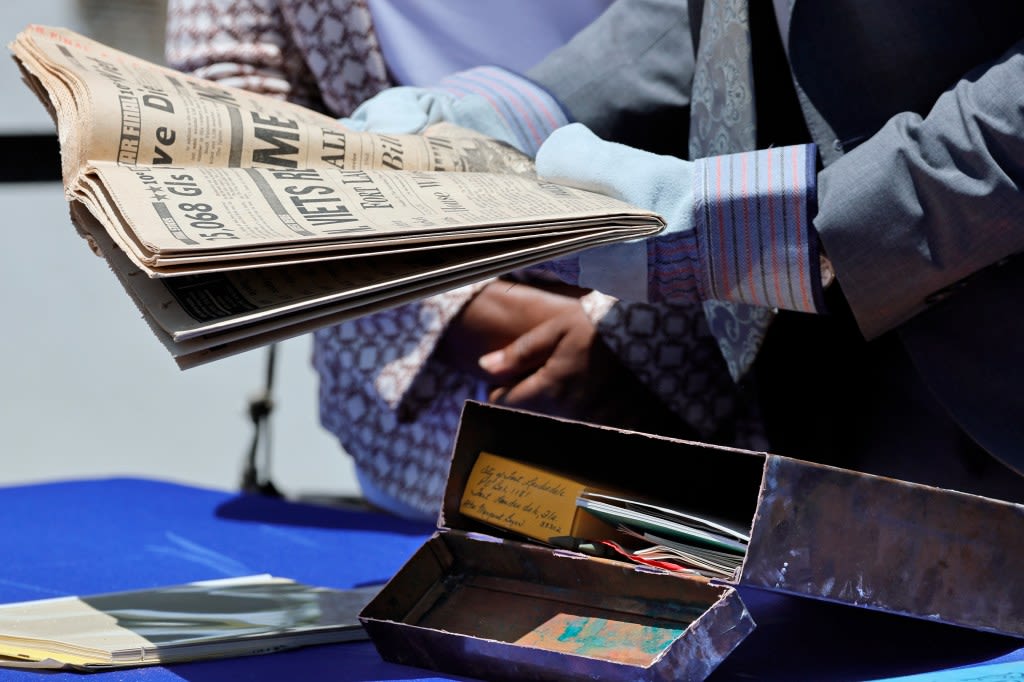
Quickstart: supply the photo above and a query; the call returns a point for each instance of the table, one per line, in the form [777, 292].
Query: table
[102, 535]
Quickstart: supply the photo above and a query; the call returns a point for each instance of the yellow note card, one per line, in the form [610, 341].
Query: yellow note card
[522, 498]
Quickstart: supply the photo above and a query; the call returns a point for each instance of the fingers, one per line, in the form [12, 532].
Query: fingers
[521, 370]
[526, 354]
[538, 391]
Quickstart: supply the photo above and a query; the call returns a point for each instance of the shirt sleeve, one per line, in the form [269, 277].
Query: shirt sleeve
[411, 333]
[753, 240]
[529, 111]
[753, 227]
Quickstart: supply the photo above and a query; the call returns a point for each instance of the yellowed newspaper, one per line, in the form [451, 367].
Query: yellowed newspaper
[111, 106]
[168, 217]
[235, 220]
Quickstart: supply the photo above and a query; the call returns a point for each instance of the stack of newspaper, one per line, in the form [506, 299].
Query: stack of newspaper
[235, 220]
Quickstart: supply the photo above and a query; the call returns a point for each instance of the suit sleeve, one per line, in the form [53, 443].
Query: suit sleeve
[627, 76]
[928, 201]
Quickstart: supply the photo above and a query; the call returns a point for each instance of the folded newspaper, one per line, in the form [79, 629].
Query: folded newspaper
[234, 220]
[212, 619]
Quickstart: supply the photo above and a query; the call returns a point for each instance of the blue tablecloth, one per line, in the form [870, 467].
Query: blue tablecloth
[94, 536]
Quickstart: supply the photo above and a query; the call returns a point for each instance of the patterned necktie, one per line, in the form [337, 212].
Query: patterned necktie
[722, 121]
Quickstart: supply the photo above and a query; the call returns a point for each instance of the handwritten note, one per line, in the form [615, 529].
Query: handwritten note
[520, 497]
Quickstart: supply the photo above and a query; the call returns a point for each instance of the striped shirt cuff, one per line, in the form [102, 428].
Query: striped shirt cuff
[752, 223]
[673, 268]
[529, 111]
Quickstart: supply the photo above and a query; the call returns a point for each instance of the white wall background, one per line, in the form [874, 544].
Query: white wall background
[86, 390]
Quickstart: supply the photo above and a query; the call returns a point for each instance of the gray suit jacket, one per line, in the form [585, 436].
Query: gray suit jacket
[917, 108]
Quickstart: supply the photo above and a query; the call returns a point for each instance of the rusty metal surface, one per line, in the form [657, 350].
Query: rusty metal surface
[890, 545]
[708, 642]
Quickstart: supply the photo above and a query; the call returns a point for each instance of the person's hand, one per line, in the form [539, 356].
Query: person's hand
[549, 368]
[575, 156]
[552, 359]
[561, 367]
[489, 100]
[501, 312]
[739, 226]
[411, 110]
